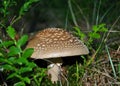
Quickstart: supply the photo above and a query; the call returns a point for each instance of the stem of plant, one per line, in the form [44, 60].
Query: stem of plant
[111, 61]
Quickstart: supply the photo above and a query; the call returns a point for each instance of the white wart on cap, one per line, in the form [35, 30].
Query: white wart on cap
[54, 43]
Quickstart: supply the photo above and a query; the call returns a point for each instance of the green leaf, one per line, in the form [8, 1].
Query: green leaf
[4, 60]
[77, 30]
[19, 84]
[11, 32]
[12, 60]
[101, 25]
[26, 79]
[26, 6]
[22, 40]
[79, 33]
[24, 70]
[13, 75]
[6, 43]
[100, 28]
[94, 35]
[103, 29]
[21, 61]
[9, 67]
[1, 55]
[27, 53]
[31, 64]
[95, 28]
[14, 51]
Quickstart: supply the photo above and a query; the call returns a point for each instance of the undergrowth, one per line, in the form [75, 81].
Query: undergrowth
[97, 42]
[15, 67]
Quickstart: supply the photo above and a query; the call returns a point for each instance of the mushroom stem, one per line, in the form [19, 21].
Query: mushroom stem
[54, 72]
[55, 69]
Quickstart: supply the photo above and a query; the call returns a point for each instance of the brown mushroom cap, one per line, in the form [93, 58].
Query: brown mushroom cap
[54, 43]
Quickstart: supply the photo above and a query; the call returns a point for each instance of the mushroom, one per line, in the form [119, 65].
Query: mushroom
[53, 44]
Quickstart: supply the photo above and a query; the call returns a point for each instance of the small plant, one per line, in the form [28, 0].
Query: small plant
[79, 33]
[11, 12]
[14, 61]
[94, 34]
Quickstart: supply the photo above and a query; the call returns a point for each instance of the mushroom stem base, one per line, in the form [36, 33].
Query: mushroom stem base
[54, 72]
